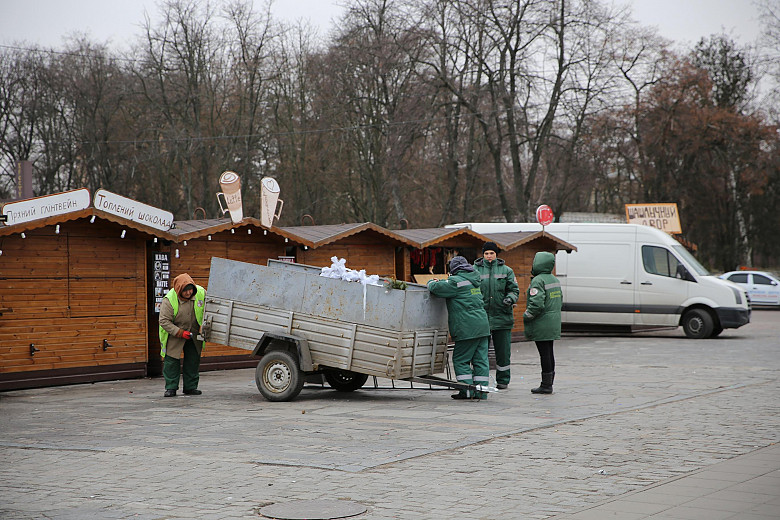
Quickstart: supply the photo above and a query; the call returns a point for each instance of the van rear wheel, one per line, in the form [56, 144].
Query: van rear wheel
[698, 324]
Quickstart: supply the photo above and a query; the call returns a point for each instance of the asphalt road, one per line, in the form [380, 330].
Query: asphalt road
[628, 412]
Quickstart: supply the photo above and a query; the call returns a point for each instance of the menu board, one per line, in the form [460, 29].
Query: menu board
[162, 278]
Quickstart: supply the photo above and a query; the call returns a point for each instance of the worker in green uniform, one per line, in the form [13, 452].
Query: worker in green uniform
[499, 295]
[542, 317]
[468, 323]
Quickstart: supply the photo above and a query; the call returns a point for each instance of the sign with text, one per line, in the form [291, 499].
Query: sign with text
[47, 206]
[133, 210]
[663, 216]
[162, 274]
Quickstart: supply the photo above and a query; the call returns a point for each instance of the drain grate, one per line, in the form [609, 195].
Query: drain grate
[313, 510]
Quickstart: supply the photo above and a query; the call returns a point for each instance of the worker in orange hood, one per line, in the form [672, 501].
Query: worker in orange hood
[181, 317]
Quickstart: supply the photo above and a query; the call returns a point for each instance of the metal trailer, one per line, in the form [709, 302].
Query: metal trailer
[302, 324]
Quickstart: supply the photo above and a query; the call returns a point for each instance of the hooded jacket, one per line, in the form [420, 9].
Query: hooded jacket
[498, 283]
[466, 315]
[178, 314]
[542, 317]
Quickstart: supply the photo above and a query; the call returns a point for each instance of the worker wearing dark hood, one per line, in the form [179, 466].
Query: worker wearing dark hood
[468, 324]
[542, 317]
[181, 316]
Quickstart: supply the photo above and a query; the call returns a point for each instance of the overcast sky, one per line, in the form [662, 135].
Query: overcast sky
[46, 22]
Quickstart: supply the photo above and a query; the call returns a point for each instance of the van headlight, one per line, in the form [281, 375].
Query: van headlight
[737, 295]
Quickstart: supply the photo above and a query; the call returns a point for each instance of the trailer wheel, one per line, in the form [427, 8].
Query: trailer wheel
[278, 376]
[345, 380]
[697, 324]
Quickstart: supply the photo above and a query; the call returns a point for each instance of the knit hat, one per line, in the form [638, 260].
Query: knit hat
[491, 246]
[458, 263]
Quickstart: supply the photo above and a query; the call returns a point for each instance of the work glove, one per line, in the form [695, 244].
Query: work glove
[186, 334]
[508, 301]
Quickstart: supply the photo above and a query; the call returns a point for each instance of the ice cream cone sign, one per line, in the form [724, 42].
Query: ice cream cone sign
[231, 192]
[269, 199]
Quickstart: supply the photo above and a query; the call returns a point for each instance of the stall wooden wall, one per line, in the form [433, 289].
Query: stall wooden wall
[374, 256]
[65, 293]
[195, 259]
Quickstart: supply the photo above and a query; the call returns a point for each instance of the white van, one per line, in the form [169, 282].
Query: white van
[635, 277]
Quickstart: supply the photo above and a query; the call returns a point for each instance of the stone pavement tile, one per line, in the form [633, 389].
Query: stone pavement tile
[749, 487]
[728, 473]
[709, 502]
[765, 509]
[676, 488]
[698, 513]
[766, 480]
[598, 514]
[741, 496]
[753, 516]
[629, 505]
[706, 485]
[665, 515]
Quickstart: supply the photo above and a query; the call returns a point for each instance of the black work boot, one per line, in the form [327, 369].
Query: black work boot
[547, 384]
[171, 392]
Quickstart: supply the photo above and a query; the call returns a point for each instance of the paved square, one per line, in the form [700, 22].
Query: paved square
[644, 426]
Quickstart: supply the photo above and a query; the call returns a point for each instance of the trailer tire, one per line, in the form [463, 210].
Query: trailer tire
[697, 324]
[278, 376]
[345, 380]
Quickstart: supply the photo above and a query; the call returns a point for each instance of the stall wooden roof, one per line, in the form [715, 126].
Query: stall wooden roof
[508, 241]
[318, 236]
[429, 237]
[191, 229]
[84, 213]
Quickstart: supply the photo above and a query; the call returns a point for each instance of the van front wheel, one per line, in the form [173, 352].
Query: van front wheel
[697, 324]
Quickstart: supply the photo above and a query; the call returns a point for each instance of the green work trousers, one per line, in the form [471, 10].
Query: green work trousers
[470, 359]
[502, 344]
[172, 368]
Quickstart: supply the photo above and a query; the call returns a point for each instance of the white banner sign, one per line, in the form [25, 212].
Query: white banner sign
[133, 210]
[46, 206]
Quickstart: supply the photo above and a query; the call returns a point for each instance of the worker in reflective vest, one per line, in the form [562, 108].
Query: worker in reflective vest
[181, 317]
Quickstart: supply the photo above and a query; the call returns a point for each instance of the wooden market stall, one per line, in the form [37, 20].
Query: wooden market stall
[193, 244]
[432, 248]
[73, 299]
[364, 246]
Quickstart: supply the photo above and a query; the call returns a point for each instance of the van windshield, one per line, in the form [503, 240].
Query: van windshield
[691, 261]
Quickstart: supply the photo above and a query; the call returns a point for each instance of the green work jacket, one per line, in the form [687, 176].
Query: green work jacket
[498, 283]
[465, 313]
[542, 317]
